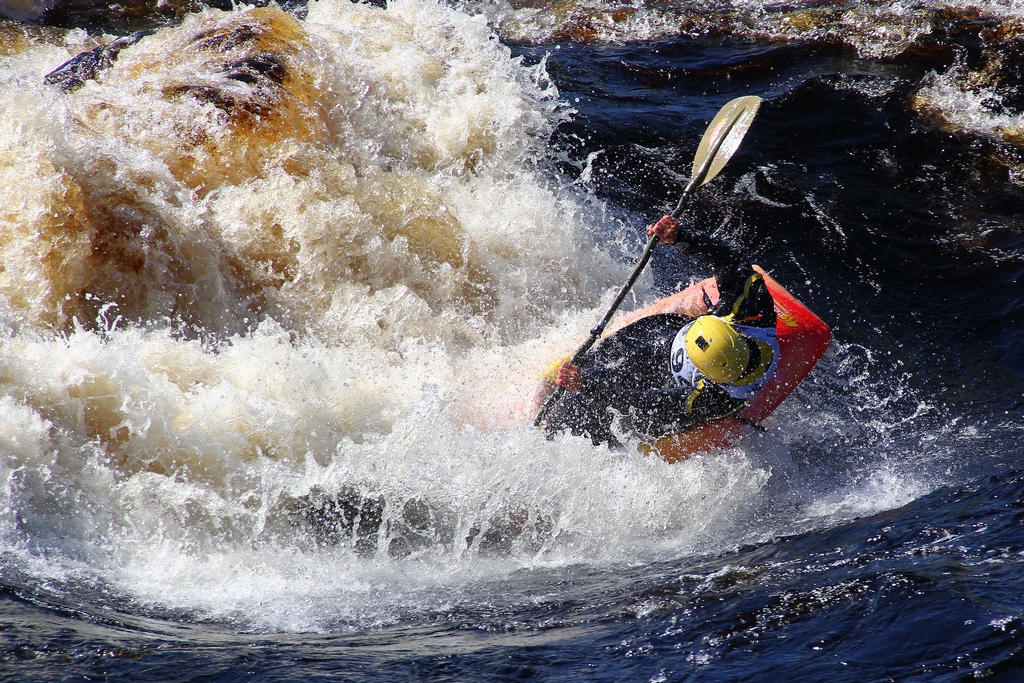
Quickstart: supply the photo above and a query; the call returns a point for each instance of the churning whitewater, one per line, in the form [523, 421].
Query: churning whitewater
[276, 289]
[275, 296]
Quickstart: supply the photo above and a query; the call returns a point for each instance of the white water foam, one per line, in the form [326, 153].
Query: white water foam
[956, 103]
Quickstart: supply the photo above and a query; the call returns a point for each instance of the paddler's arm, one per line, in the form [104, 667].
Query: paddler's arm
[594, 379]
[741, 289]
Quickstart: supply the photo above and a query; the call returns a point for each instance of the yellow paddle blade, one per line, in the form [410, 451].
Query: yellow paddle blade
[722, 138]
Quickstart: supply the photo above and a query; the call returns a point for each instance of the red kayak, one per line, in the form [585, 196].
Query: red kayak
[803, 339]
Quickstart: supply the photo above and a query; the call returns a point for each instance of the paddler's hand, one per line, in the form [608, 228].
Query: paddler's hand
[667, 230]
[569, 377]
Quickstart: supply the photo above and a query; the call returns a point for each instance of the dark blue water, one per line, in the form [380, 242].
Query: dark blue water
[904, 232]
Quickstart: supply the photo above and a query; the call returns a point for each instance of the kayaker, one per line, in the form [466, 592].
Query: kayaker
[669, 372]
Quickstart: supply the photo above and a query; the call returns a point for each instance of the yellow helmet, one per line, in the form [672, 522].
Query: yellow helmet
[717, 349]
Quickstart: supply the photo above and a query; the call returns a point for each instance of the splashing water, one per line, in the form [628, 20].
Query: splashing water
[266, 281]
[255, 260]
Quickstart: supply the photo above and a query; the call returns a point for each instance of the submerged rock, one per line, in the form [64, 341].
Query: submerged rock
[73, 73]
